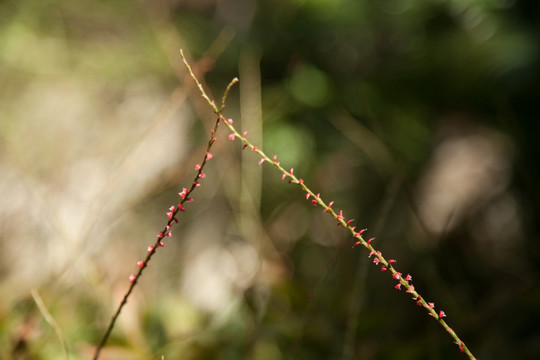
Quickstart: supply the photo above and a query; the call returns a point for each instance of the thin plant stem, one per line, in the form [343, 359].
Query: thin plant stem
[378, 258]
[50, 320]
[174, 210]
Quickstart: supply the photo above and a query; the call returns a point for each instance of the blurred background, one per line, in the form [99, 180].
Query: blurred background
[420, 119]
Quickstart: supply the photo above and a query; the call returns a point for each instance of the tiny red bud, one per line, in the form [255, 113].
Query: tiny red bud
[150, 248]
[141, 264]
[307, 196]
[255, 148]
[209, 156]
[244, 134]
[442, 314]
[245, 146]
[261, 161]
[231, 137]
[384, 268]
[398, 286]
[283, 176]
[391, 261]
[132, 278]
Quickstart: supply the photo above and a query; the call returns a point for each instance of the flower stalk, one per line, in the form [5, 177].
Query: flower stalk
[378, 258]
[174, 209]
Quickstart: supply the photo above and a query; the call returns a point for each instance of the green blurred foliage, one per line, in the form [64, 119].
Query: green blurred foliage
[357, 96]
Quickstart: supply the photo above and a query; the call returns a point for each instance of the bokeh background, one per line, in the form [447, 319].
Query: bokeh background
[420, 119]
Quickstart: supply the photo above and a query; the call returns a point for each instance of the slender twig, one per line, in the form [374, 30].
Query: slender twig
[173, 210]
[50, 320]
[378, 258]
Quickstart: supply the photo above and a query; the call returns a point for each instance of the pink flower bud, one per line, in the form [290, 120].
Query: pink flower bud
[231, 137]
[209, 156]
[261, 161]
[198, 167]
[150, 248]
[132, 278]
[141, 264]
[244, 134]
[398, 286]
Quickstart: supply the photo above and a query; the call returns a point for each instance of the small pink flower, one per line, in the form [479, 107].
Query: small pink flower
[330, 204]
[396, 275]
[150, 248]
[371, 253]
[391, 261]
[132, 278]
[162, 244]
[398, 286]
[431, 305]
[411, 288]
[229, 121]
[231, 137]
[183, 193]
[408, 278]
[160, 235]
[442, 314]
[370, 240]
[357, 243]
[314, 202]
[244, 134]
[384, 268]
[209, 156]
[202, 175]
[261, 161]
[349, 222]
[170, 215]
[300, 181]
[197, 184]
[198, 167]
[307, 196]
[376, 261]
[214, 139]
[255, 148]
[168, 234]
[141, 264]
[181, 207]
[360, 232]
[340, 215]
